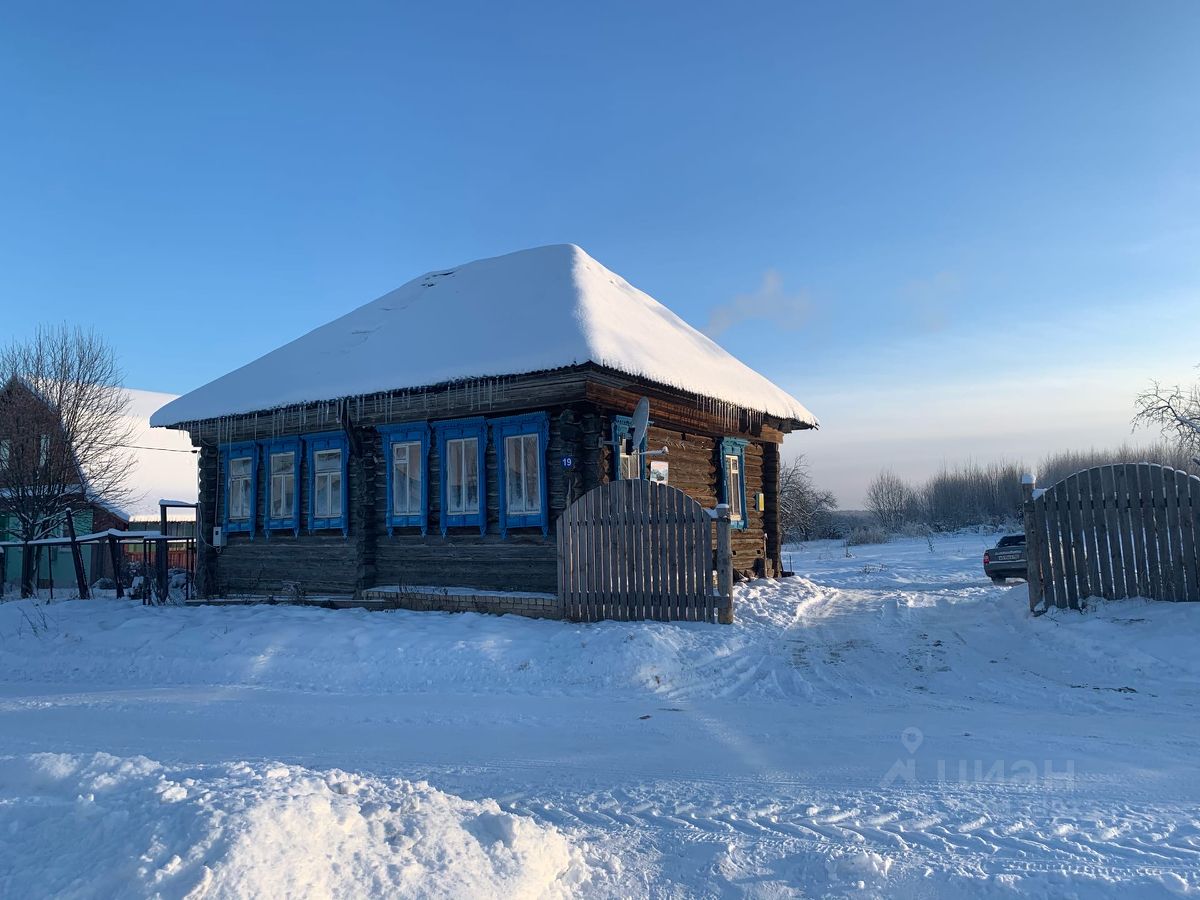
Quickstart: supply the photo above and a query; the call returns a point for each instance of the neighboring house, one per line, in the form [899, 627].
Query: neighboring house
[36, 462]
[53, 566]
[433, 436]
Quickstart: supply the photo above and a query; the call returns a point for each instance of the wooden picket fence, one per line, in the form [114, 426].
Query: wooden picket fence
[1114, 531]
[635, 549]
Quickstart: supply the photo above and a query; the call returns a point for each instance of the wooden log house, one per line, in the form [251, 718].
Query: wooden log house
[428, 441]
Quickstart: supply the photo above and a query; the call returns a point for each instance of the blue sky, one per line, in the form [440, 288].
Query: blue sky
[952, 229]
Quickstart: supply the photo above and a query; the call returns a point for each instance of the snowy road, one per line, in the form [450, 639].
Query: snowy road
[887, 725]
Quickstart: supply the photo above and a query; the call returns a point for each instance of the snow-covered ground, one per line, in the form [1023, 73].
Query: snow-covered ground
[884, 725]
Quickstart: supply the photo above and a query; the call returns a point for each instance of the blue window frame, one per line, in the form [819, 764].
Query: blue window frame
[327, 454]
[461, 445]
[281, 473]
[406, 455]
[521, 469]
[733, 479]
[623, 465]
[239, 473]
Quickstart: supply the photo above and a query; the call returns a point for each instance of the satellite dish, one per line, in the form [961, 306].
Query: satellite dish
[640, 422]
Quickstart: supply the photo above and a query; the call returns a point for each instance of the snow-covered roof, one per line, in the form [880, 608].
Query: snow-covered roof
[89, 538]
[111, 508]
[529, 311]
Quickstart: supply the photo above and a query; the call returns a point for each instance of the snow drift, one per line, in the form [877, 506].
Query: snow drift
[624, 758]
[528, 311]
[132, 827]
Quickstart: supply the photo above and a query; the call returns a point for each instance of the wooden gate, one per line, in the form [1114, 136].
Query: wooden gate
[634, 549]
[1114, 531]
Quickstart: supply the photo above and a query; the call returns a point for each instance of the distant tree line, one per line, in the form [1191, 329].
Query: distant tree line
[990, 494]
[972, 494]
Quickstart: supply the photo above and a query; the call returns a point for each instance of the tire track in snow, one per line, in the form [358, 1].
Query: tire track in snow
[915, 828]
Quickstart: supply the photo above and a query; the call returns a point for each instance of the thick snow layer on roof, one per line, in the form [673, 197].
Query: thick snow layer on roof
[532, 310]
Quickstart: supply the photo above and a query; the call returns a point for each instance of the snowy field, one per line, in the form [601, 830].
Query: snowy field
[884, 725]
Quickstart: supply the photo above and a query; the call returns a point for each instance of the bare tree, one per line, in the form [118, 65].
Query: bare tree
[64, 431]
[803, 507]
[889, 499]
[1174, 411]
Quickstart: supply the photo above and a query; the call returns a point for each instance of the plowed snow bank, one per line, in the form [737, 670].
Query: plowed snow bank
[100, 825]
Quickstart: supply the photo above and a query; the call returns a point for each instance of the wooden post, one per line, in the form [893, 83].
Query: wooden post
[162, 554]
[1033, 544]
[115, 553]
[772, 526]
[361, 472]
[724, 565]
[76, 558]
[28, 571]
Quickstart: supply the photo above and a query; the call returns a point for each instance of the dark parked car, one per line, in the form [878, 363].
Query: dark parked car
[1006, 559]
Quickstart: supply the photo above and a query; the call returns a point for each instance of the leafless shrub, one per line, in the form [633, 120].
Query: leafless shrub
[890, 500]
[866, 535]
[804, 509]
[34, 618]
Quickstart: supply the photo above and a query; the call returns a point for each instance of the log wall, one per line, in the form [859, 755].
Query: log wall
[581, 410]
[694, 469]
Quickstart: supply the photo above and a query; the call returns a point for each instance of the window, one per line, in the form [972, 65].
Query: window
[522, 482]
[733, 479]
[463, 479]
[405, 448]
[521, 460]
[43, 451]
[5, 452]
[283, 485]
[327, 456]
[241, 485]
[327, 484]
[626, 464]
[240, 476]
[406, 478]
[462, 476]
[283, 499]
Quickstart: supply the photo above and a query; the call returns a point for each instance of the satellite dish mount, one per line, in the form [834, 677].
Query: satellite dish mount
[635, 437]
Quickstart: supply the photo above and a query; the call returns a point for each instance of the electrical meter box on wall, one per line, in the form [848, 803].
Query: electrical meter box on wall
[218, 537]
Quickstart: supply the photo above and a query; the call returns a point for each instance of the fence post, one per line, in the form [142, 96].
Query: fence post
[116, 564]
[28, 571]
[76, 558]
[724, 565]
[1033, 543]
[161, 547]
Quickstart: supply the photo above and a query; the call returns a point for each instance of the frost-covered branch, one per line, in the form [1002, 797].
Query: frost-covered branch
[804, 509]
[1174, 411]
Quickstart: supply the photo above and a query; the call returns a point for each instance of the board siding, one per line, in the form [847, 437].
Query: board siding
[1118, 531]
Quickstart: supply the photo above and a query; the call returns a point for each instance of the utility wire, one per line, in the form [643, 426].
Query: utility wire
[139, 447]
[163, 449]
